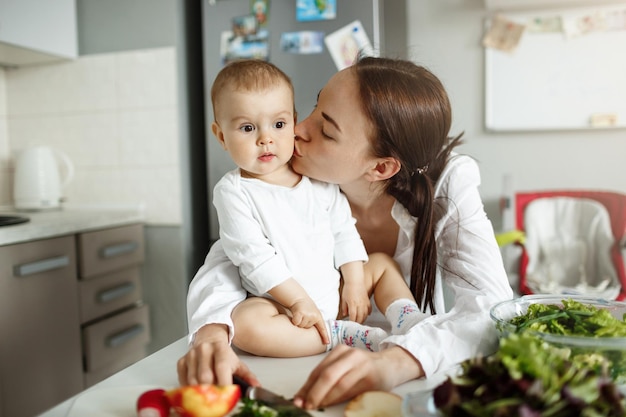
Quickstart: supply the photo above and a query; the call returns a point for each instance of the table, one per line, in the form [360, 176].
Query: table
[116, 395]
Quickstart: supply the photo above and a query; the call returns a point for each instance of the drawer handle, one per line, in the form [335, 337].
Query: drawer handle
[41, 266]
[115, 292]
[118, 249]
[124, 336]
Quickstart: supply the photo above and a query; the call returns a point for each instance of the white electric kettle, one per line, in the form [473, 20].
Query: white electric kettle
[38, 182]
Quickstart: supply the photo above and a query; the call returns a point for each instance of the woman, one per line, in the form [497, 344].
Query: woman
[380, 130]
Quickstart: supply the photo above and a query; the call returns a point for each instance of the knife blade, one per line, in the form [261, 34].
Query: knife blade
[275, 401]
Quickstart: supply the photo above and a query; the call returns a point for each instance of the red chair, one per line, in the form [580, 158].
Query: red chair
[600, 217]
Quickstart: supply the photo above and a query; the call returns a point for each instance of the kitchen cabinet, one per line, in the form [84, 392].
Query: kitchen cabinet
[115, 322]
[71, 314]
[41, 361]
[37, 31]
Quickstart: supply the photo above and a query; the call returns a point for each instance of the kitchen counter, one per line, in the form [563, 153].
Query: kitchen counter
[116, 396]
[47, 224]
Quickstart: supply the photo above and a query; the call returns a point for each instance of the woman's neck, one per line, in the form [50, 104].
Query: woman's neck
[364, 196]
[371, 207]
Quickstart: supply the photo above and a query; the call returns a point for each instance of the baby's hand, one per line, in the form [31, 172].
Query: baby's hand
[305, 314]
[355, 303]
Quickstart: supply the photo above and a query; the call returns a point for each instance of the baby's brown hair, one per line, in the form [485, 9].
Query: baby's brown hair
[248, 75]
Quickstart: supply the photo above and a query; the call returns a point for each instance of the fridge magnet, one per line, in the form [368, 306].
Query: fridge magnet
[260, 9]
[503, 34]
[310, 10]
[245, 26]
[347, 43]
[304, 42]
[254, 46]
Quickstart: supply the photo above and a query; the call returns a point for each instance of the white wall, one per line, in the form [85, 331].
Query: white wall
[445, 36]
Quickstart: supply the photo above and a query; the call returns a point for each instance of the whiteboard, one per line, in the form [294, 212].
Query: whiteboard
[554, 82]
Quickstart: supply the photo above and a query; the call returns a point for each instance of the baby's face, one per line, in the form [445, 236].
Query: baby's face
[257, 128]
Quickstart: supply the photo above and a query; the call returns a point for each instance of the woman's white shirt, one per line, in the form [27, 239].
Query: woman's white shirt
[470, 275]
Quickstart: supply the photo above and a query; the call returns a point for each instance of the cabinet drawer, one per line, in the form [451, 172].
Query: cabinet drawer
[111, 340]
[108, 293]
[109, 250]
[39, 259]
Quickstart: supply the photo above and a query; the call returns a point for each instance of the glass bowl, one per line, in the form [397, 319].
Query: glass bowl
[419, 404]
[612, 348]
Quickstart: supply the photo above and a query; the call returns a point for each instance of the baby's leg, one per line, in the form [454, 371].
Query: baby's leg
[385, 280]
[263, 328]
[391, 293]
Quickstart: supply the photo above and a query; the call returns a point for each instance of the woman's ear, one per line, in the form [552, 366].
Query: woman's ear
[385, 168]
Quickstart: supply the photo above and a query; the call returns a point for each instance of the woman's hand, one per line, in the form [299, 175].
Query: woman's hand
[211, 360]
[346, 372]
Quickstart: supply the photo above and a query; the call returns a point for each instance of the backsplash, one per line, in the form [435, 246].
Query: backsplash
[115, 115]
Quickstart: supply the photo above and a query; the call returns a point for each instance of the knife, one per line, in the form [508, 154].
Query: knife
[277, 402]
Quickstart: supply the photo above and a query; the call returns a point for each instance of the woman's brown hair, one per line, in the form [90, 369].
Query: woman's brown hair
[411, 114]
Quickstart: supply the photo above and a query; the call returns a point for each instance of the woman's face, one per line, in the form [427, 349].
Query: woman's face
[331, 144]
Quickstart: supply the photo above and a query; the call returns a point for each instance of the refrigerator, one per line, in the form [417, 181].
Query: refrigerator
[380, 20]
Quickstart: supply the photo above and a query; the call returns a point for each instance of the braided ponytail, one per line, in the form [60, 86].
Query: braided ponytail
[411, 114]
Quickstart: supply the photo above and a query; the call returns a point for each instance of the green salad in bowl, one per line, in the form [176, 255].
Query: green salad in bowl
[532, 378]
[585, 325]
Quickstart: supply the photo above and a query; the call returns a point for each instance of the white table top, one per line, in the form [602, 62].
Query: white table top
[116, 396]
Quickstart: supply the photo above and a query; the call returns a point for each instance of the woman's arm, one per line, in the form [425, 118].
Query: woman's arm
[213, 294]
[347, 372]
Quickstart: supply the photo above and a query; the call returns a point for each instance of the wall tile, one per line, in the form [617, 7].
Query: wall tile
[89, 139]
[5, 152]
[147, 78]
[155, 188]
[160, 188]
[85, 84]
[3, 93]
[148, 137]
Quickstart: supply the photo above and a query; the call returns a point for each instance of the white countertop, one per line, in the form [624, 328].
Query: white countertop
[47, 224]
[116, 396]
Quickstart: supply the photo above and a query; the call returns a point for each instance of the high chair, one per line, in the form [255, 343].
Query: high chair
[573, 242]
